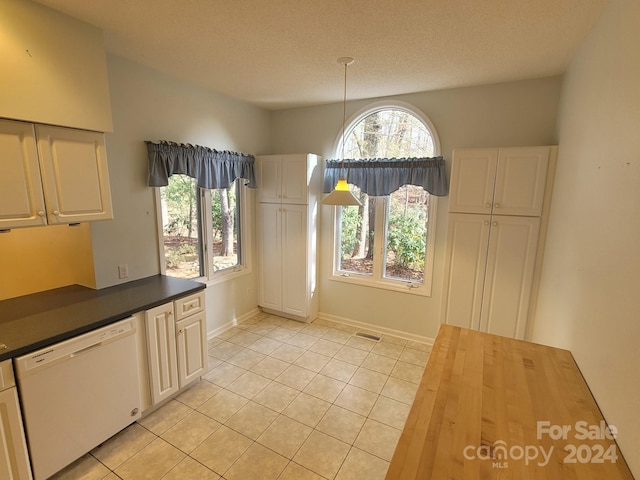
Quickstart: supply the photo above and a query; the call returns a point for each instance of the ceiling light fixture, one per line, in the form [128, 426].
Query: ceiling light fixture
[341, 195]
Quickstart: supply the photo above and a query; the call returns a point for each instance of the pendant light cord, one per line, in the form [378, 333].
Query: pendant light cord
[344, 116]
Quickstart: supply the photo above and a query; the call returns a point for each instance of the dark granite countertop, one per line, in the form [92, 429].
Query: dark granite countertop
[34, 321]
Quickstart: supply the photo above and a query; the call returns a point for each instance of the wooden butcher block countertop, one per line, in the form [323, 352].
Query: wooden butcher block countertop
[490, 407]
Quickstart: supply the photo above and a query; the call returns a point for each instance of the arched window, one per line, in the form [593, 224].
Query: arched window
[388, 241]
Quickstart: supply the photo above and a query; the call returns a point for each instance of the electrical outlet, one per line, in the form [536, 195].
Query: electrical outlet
[123, 271]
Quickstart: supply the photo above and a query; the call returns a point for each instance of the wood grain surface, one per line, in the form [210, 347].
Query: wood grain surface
[490, 407]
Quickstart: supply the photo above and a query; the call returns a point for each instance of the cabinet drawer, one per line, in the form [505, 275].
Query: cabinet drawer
[189, 305]
[6, 375]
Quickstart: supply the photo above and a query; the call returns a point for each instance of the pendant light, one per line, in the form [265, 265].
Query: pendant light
[341, 195]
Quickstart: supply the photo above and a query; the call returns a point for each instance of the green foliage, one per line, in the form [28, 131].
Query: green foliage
[175, 257]
[407, 239]
[350, 222]
[179, 197]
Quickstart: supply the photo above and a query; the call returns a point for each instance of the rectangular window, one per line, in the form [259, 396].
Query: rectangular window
[386, 242]
[202, 229]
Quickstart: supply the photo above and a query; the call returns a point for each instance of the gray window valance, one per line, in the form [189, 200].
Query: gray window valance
[211, 168]
[383, 176]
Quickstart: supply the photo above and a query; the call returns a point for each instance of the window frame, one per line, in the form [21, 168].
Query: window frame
[212, 277]
[377, 279]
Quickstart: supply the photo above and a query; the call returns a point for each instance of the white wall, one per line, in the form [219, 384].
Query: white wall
[148, 105]
[508, 114]
[589, 302]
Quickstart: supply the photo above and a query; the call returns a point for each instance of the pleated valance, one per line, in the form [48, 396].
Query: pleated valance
[211, 168]
[383, 176]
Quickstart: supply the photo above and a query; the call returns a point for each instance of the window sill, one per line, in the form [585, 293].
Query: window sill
[225, 276]
[394, 286]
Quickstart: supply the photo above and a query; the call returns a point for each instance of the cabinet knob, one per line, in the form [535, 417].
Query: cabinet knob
[56, 213]
[486, 222]
[41, 213]
[495, 224]
[496, 205]
[488, 205]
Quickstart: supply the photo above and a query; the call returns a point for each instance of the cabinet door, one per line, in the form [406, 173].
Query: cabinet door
[467, 241]
[295, 182]
[268, 173]
[21, 199]
[161, 344]
[508, 280]
[74, 175]
[191, 337]
[473, 173]
[270, 255]
[14, 462]
[520, 181]
[295, 294]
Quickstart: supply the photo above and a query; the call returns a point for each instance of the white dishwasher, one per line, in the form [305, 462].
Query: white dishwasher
[78, 393]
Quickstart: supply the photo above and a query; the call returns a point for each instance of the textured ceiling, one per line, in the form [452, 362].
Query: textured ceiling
[282, 53]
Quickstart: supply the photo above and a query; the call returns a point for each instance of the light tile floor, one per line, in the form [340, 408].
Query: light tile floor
[282, 400]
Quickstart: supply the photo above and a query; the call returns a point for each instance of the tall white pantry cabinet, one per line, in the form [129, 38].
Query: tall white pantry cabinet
[288, 193]
[498, 204]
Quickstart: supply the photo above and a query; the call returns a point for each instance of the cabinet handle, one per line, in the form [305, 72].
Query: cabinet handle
[488, 205]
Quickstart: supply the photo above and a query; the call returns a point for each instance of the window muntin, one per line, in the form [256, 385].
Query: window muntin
[388, 241]
[196, 221]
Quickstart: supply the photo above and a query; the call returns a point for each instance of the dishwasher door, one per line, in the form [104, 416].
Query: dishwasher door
[78, 393]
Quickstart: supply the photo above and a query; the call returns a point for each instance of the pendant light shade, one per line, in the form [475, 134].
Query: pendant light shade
[341, 195]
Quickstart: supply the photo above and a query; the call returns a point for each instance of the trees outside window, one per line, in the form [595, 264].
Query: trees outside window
[196, 221]
[387, 241]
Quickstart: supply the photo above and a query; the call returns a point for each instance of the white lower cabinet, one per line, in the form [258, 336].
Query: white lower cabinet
[176, 345]
[489, 272]
[286, 285]
[14, 459]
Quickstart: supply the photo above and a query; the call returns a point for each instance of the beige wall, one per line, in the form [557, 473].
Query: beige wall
[589, 301]
[41, 258]
[508, 114]
[148, 105]
[53, 68]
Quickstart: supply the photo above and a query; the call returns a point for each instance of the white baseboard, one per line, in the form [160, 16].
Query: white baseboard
[232, 323]
[376, 328]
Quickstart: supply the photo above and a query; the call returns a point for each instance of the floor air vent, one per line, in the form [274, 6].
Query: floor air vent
[368, 336]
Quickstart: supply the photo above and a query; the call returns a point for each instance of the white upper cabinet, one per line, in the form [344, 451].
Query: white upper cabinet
[283, 179]
[473, 176]
[52, 175]
[74, 174]
[505, 181]
[21, 197]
